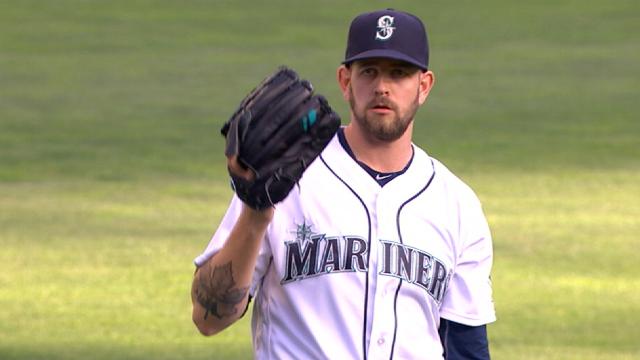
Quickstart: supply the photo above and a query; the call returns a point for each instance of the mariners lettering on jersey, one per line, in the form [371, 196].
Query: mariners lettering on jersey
[312, 254]
[416, 267]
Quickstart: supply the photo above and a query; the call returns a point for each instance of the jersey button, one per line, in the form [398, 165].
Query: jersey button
[380, 341]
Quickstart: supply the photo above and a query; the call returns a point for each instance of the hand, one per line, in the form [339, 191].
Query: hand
[261, 216]
[276, 132]
[238, 169]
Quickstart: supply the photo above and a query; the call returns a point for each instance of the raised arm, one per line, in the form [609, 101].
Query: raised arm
[220, 288]
[279, 128]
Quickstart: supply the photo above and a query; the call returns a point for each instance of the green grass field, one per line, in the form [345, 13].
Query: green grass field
[112, 175]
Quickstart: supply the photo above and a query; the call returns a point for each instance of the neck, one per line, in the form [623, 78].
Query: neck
[382, 156]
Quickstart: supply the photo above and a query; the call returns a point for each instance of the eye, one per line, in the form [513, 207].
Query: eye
[368, 71]
[399, 73]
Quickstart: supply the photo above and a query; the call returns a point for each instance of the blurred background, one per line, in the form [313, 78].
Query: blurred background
[112, 175]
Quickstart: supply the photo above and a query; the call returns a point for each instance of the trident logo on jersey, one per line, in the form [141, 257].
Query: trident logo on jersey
[385, 27]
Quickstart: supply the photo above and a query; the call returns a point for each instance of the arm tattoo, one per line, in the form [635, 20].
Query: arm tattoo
[215, 288]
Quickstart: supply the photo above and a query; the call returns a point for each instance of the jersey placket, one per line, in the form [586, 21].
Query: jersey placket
[383, 288]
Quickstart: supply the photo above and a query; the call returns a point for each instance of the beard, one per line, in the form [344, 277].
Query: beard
[384, 129]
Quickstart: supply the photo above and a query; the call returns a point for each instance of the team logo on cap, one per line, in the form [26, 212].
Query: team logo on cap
[385, 27]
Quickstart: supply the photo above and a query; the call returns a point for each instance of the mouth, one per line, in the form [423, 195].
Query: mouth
[381, 107]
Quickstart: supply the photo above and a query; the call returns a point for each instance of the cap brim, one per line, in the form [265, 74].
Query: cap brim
[384, 53]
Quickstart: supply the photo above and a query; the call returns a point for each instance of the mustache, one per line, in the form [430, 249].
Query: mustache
[382, 102]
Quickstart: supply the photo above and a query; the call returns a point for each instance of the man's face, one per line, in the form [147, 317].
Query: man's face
[385, 95]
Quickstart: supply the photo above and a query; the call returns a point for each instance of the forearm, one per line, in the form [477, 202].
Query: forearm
[220, 288]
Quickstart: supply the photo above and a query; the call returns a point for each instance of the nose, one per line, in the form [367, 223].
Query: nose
[382, 86]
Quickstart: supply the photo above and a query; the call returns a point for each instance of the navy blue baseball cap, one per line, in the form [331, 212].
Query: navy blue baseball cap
[388, 34]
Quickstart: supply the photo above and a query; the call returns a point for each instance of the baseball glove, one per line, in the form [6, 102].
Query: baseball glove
[277, 131]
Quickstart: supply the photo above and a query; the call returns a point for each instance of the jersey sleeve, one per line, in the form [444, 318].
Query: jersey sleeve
[220, 237]
[468, 299]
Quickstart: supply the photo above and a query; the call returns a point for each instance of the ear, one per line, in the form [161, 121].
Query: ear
[427, 79]
[344, 80]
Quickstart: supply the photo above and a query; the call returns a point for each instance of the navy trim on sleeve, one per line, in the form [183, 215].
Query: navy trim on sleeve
[463, 342]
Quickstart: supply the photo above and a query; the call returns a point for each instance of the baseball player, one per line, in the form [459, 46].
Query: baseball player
[379, 252]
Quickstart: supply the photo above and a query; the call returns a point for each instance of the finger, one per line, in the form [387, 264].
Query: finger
[236, 168]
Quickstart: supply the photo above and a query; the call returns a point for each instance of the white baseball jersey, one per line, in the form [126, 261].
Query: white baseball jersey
[352, 270]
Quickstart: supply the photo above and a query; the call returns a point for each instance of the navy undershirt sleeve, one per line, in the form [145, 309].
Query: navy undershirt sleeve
[463, 342]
